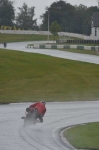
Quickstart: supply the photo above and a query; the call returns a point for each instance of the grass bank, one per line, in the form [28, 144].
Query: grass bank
[32, 77]
[84, 136]
[20, 38]
[91, 52]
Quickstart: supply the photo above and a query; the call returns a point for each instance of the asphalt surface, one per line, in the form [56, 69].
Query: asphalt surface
[43, 136]
[55, 53]
[46, 135]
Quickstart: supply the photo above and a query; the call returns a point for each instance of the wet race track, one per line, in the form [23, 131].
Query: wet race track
[55, 53]
[46, 135]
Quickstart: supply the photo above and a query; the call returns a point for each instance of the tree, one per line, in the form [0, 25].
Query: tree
[59, 11]
[54, 28]
[7, 14]
[79, 18]
[25, 17]
[75, 19]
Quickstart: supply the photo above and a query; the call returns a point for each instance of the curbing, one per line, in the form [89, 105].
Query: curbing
[42, 46]
[49, 46]
[80, 47]
[67, 46]
[65, 141]
[29, 46]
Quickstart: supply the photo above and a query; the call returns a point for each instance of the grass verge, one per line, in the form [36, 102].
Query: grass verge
[91, 52]
[20, 38]
[84, 136]
[32, 77]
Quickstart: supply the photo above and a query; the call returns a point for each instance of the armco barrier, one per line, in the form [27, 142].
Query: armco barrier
[49, 46]
[80, 47]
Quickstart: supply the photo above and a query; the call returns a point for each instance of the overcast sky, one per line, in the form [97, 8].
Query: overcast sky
[40, 5]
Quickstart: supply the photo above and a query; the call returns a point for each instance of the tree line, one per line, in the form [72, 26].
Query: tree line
[75, 19]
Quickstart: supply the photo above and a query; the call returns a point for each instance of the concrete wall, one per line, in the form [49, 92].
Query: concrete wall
[25, 32]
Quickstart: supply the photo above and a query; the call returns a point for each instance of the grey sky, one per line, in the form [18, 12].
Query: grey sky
[40, 5]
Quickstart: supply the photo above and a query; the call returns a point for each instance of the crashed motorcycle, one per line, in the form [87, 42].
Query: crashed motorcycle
[31, 118]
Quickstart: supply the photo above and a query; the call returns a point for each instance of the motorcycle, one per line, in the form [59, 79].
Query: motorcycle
[31, 118]
[5, 44]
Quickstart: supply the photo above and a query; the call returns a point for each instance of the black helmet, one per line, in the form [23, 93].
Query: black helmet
[28, 109]
[43, 102]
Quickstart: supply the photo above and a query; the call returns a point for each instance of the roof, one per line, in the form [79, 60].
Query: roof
[95, 19]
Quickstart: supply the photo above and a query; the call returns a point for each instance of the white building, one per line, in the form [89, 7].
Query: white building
[95, 25]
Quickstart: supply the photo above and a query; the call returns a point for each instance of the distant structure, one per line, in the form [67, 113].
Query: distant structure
[98, 4]
[95, 24]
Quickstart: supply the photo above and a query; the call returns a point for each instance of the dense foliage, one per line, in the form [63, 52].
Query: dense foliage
[7, 13]
[76, 19]
[25, 17]
[54, 28]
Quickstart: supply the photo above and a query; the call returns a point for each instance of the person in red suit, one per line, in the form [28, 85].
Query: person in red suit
[40, 107]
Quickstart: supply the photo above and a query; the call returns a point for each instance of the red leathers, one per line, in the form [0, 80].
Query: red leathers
[40, 106]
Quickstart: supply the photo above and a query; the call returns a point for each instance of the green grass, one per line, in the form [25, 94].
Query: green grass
[20, 38]
[91, 52]
[84, 136]
[31, 77]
